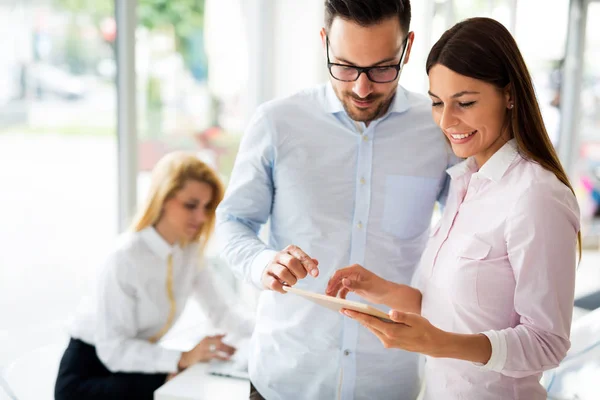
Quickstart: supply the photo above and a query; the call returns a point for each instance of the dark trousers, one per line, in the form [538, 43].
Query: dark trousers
[82, 376]
[254, 395]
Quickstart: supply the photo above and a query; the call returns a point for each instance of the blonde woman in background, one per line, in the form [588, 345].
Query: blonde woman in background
[142, 288]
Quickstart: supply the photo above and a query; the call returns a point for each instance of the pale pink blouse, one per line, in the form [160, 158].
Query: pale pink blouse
[501, 262]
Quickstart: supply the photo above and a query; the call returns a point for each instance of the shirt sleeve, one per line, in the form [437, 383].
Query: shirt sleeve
[247, 203]
[442, 197]
[223, 313]
[541, 238]
[116, 329]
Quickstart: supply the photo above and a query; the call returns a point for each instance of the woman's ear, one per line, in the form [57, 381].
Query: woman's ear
[508, 97]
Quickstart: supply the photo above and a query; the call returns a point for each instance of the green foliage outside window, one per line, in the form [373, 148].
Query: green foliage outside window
[185, 17]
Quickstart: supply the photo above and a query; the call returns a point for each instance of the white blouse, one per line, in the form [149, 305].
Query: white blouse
[131, 303]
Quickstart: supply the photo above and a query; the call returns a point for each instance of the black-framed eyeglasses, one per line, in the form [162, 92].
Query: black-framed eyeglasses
[376, 74]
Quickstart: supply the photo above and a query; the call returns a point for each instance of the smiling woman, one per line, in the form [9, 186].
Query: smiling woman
[495, 283]
[470, 112]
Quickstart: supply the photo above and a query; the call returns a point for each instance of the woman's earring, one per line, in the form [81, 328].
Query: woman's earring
[511, 106]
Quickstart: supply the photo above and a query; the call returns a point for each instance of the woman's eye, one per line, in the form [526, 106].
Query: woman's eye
[467, 104]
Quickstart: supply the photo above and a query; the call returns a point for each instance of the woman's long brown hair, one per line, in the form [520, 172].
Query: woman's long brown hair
[483, 49]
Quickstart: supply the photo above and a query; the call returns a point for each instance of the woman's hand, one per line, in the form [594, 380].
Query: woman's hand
[409, 331]
[210, 347]
[361, 281]
[171, 376]
[374, 289]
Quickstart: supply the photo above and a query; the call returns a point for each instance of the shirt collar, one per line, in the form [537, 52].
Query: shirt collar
[494, 169]
[156, 242]
[467, 166]
[334, 105]
[399, 102]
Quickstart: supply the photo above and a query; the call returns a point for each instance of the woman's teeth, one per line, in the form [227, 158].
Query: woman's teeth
[463, 136]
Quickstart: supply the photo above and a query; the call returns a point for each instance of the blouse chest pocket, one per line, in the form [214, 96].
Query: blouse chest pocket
[489, 277]
[474, 249]
[408, 204]
[470, 258]
[495, 279]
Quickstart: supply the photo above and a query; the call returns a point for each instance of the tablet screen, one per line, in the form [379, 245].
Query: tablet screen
[336, 303]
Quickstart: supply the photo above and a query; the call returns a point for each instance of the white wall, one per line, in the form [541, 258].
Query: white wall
[288, 55]
[298, 54]
[413, 75]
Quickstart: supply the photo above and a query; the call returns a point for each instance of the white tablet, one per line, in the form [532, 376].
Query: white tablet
[336, 303]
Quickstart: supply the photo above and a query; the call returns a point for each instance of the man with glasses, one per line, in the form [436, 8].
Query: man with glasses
[347, 173]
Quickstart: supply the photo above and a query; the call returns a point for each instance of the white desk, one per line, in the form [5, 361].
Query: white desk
[196, 384]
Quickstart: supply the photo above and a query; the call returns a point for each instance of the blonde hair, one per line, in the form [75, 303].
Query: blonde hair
[168, 177]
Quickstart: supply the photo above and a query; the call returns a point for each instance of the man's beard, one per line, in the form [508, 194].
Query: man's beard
[365, 115]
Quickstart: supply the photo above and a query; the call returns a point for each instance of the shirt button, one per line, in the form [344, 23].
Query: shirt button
[365, 138]
[362, 181]
[346, 352]
[359, 225]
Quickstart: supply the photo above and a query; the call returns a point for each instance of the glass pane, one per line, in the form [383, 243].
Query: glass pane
[543, 47]
[57, 162]
[590, 94]
[589, 129]
[543, 57]
[463, 9]
[449, 12]
[191, 80]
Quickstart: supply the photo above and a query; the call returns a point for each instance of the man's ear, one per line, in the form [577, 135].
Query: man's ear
[323, 34]
[411, 39]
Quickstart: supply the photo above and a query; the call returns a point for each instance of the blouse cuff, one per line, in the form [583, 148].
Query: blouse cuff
[168, 361]
[499, 351]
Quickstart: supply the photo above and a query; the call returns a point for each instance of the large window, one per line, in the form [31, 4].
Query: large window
[190, 88]
[57, 163]
[588, 143]
[191, 81]
[590, 94]
[58, 147]
[542, 44]
[543, 47]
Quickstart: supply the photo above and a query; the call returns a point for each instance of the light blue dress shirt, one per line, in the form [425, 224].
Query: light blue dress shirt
[345, 193]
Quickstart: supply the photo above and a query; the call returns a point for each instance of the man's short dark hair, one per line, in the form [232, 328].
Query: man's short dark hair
[368, 12]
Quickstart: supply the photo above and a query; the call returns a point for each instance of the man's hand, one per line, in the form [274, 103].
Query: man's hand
[287, 267]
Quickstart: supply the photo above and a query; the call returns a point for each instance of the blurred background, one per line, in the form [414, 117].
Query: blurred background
[94, 92]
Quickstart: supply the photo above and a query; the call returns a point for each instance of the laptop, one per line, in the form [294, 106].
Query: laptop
[236, 367]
